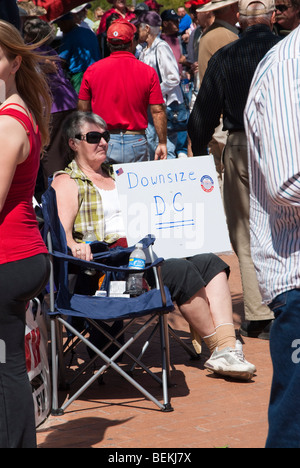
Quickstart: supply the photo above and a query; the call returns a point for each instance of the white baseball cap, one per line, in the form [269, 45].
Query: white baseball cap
[81, 7]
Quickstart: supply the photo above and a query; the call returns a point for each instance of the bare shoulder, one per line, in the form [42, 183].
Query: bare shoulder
[63, 182]
[9, 125]
[62, 178]
[66, 195]
[14, 149]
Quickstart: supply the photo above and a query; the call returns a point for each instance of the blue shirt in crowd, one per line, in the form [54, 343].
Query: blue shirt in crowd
[80, 49]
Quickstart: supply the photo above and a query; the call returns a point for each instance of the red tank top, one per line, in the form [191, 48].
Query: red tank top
[19, 234]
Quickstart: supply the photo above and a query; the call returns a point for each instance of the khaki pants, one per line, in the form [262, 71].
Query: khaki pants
[216, 147]
[237, 205]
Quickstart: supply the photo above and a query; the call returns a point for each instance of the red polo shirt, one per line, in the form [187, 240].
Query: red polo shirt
[120, 89]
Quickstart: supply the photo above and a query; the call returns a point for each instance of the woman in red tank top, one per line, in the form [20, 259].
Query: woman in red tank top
[24, 264]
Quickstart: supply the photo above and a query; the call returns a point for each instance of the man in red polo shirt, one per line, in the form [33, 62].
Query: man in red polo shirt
[120, 88]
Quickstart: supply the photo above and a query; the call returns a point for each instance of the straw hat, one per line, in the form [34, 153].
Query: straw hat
[267, 6]
[216, 5]
[28, 8]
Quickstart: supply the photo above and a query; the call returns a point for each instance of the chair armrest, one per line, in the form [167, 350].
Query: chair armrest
[101, 266]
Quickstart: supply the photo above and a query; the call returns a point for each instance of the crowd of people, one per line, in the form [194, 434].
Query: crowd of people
[87, 90]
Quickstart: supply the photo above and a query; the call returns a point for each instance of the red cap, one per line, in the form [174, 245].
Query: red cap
[121, 31]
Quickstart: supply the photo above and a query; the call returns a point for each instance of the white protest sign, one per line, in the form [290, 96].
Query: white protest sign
[176, 200]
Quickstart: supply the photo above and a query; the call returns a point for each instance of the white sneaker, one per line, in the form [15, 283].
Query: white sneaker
[231, 362]
[181, 155]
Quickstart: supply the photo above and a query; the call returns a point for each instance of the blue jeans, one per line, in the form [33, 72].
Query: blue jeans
[284, 407]
[127, 148]
[152, 139]
[182, 142]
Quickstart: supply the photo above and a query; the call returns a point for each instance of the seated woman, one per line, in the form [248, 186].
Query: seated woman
[86, 193]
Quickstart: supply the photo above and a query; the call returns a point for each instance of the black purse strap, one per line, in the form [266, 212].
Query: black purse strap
[186, 102]
[157, 65]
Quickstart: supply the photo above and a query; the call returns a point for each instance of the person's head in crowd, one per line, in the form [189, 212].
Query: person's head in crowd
[80, 12]
[36, 30]
[119, 5]
[85, 137]
[256, 12]
[181, 11]
[120, 35]
[98, 13]
[149, 24]
[153, 5]
[141, 8]
[193, 8]
[193, 12]
[66, 22]
[23, 65]
[170, 22]
[28, 10]
[204, 18]
[288, 14]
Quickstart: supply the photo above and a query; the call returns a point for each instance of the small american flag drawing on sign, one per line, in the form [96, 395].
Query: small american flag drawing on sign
[119, 172]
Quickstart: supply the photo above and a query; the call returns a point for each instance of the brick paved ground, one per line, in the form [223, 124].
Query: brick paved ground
[208, 411]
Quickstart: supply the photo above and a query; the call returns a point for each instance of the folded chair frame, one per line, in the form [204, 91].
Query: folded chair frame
[57, 353]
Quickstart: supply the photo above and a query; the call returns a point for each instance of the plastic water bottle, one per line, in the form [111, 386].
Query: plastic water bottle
[88, 238]
[137, 261]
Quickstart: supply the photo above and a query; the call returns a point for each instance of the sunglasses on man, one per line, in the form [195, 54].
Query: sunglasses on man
[94, 138]
[282, 8]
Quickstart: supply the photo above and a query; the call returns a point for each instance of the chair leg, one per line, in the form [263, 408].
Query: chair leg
[60, 355]
[110, 363]
[165, 356]
[145, 347]
[55, 410]
[167, 346]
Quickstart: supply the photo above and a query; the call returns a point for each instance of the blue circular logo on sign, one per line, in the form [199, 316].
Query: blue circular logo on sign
[207, 183]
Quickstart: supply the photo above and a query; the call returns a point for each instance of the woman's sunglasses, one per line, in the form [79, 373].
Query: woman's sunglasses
[94, 138]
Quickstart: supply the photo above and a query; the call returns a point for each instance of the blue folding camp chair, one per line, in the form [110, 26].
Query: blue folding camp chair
[65, 305]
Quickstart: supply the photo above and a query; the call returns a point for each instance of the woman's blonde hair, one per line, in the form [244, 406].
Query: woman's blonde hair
[30, 81]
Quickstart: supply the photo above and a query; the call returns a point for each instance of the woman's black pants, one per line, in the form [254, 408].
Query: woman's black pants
[20, 281]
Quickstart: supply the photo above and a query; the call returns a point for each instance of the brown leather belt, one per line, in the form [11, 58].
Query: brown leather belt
[127, 132]
[238, 130]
